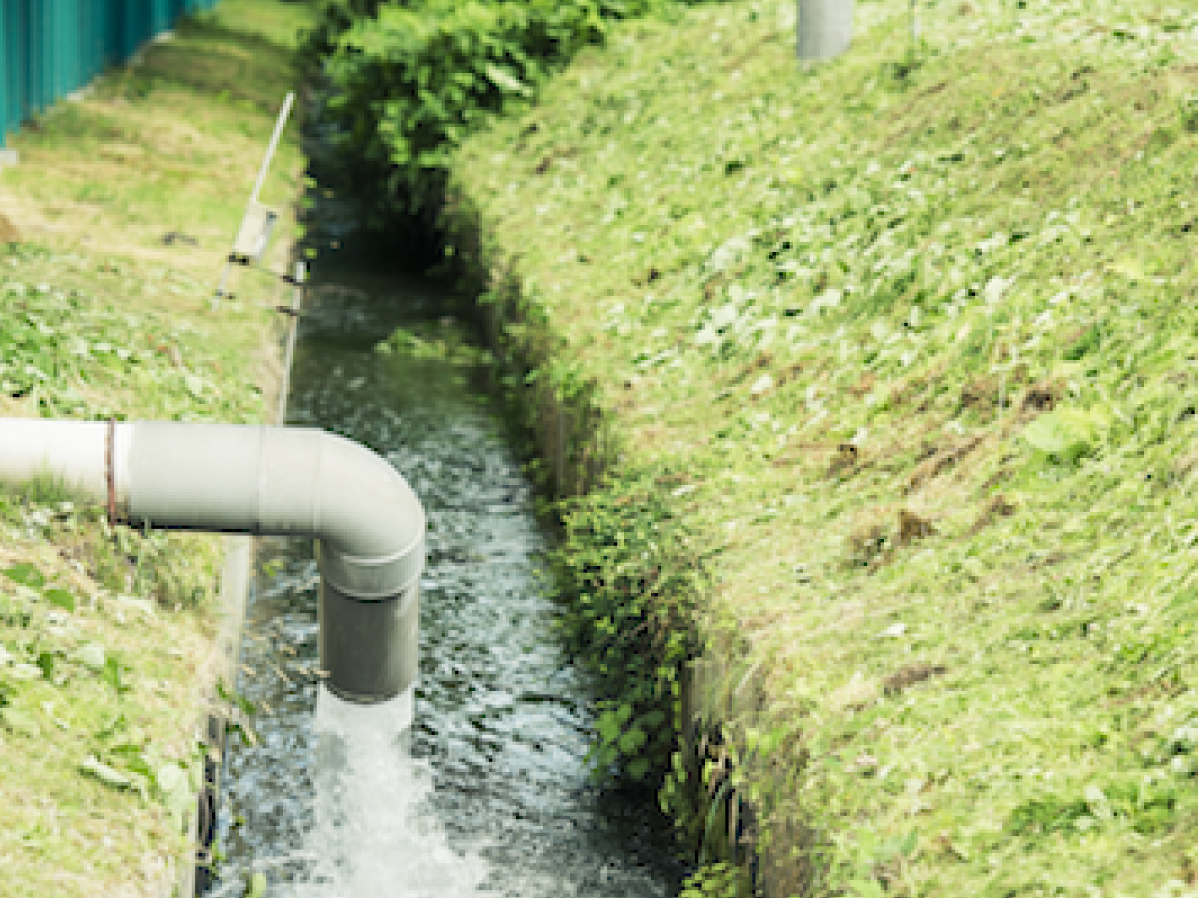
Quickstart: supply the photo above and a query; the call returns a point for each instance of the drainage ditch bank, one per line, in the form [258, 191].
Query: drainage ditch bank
[883, 340]
[635, 580]
[114, 234]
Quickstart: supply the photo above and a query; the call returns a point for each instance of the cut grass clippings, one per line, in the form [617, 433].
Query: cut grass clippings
[919, 325]
[116, 224]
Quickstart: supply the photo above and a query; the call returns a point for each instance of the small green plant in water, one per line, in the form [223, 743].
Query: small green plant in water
[720, 880]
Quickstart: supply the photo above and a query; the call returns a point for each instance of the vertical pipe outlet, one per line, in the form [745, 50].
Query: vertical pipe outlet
[825, 28]
[367, 522]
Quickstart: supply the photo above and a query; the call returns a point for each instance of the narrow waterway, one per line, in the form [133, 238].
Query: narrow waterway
[488, 793]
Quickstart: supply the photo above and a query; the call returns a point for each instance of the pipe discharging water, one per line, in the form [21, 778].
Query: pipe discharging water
[371, 834]
[474, 783]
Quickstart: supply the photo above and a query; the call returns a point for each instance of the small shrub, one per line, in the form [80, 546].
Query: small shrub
[408, 82]
[634, 584]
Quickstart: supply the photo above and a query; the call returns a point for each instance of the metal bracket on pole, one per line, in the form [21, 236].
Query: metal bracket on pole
[259, 220]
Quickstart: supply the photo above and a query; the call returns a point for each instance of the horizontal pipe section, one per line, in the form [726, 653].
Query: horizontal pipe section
[368, 524]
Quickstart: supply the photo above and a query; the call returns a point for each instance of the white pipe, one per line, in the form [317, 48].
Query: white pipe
[825, 28]
[368, 523]
[72, 452]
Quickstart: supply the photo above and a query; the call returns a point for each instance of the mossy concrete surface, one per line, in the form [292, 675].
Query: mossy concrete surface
[916, 328]
[115, 225]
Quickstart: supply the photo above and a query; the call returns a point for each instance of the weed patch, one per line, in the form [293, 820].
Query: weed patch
[970, 261]
[631, 573]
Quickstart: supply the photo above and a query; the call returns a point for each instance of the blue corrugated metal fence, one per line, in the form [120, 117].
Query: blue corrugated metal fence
[51, 47]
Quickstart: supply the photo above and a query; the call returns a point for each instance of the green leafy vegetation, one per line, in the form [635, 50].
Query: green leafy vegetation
[446, 340]
[406, 83]
[631, 572]
[719, 880]
[68, 353]
[915, 329]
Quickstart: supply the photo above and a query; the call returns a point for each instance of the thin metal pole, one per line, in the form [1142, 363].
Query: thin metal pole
[270, 152]
[274, 142]
[297, 301]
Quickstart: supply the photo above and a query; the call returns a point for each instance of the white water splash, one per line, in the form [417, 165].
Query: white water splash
[374, 836]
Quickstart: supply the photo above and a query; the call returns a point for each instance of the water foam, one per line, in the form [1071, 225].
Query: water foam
[374, 835]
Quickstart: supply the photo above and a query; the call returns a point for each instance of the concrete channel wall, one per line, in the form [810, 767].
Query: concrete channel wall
[574, 440]
[193, 876]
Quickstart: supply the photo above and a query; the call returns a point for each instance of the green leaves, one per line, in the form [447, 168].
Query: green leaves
[720, 880]
[125, 767]
[112, 675]
[64, 347]
[241, 710]
[634, 585]
[236, 699]
[1145, 806]
[1066, 433]
[29, 576]
[60, 598]
[26, 574]
[412, 82]
[446, 341]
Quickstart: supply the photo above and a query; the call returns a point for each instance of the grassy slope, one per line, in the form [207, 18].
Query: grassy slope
[100, 317]
[847, 297]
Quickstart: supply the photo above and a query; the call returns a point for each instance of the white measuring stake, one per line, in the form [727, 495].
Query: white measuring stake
[252, 206]
[274, 142]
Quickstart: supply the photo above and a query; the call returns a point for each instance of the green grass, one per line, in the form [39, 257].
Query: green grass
[972, 262]
[126, 201]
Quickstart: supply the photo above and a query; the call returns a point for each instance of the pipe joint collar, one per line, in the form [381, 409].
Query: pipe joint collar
[371, 578]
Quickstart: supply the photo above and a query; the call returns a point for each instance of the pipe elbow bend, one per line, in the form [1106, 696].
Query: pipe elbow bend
[370, 538]
[368, 523]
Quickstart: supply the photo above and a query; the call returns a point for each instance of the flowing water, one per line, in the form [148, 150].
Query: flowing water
[486, 792]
